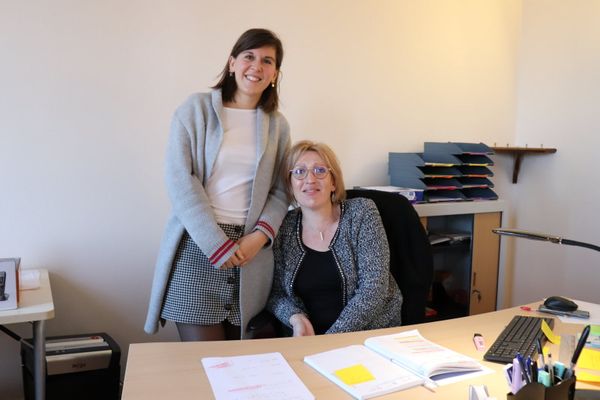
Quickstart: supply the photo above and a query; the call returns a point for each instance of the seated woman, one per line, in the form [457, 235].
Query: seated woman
[331, 255]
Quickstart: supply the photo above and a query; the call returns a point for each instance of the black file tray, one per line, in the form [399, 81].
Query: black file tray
[458, 148]
[480, 194]
[473, 170]
[429, 171]
[475, 160]
[445, 171]
[471, 182]
[442, 183]
[436, 196]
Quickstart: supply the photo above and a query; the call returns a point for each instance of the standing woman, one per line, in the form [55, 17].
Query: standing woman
[215, 263]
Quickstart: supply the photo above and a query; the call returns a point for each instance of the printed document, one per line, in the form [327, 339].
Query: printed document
[260, 376]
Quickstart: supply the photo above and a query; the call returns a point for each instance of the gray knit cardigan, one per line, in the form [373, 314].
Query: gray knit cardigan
[194, 142]
[371, 296]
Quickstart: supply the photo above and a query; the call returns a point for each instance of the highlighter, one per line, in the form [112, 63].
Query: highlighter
[543, 378]
[478, 341]
[559, 369]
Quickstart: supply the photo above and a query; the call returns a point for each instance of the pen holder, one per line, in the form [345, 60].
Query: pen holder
[564, 390]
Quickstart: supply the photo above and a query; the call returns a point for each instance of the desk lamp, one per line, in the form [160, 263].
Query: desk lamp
[555, 304]
[543, 237]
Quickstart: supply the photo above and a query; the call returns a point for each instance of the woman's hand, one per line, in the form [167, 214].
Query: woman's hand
[301, 325]
[250, 245]
[236, 259]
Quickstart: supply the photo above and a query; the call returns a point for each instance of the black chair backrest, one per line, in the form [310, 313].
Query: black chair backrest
[411, 260]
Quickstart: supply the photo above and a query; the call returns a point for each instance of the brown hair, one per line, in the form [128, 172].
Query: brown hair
[325, 152]
[253, 39]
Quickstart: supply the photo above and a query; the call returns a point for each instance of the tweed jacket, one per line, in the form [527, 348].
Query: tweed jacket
[371, 296]
[194, 142]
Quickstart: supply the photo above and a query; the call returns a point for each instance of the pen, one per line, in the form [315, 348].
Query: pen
[577, 352]
[540, 353]
[529, 364]
[550, 369]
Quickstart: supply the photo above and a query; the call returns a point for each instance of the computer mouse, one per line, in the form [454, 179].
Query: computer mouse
[560, 303]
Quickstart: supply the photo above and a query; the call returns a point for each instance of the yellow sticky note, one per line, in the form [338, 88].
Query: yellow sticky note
[587, 377]
[354, 374]
[589, 359]
[549, 334]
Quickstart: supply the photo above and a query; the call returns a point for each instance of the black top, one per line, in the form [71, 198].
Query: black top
[319, 285]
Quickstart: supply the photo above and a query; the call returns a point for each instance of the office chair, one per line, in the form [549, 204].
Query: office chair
[411, 261]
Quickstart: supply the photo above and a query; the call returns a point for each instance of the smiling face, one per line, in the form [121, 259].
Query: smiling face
[311, 192]
[254, 71]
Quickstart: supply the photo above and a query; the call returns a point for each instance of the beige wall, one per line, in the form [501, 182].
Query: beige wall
[88, 89]
[558, 98]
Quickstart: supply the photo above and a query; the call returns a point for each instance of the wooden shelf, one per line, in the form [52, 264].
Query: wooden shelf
[518, 153]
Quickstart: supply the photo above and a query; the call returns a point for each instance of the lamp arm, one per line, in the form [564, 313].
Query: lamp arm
[580, 244]
[543, 237]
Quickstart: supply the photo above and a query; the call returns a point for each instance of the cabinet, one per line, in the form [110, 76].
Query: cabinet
[466, 260]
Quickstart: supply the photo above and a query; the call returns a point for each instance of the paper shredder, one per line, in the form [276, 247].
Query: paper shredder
[86, 366]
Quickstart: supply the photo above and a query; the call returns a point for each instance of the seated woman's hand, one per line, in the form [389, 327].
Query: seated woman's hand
[301, 325]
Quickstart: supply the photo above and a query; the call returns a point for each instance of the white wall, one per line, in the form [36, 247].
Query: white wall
[558, 98]
[87, 90]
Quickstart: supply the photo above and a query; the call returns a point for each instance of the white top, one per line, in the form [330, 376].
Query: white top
[230, 185]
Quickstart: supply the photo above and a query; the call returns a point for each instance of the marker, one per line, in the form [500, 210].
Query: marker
[580, 344]
[521, 361]
[517, 377]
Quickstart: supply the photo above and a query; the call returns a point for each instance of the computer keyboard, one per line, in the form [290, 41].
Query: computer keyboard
[519, 336]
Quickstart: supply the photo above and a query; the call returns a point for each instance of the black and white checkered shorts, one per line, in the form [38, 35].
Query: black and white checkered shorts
[198, 293]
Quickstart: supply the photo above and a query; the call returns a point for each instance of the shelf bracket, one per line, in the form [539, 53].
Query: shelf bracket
[518, 153]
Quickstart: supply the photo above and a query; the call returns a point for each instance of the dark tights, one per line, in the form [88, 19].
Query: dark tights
[223, 331]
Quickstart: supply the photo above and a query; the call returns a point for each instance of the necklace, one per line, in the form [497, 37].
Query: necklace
[323, 231]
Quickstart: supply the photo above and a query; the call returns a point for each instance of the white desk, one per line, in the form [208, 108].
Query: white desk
[35, 306]
[174, 371]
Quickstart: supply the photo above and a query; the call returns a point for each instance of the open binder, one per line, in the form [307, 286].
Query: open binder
[389, 363]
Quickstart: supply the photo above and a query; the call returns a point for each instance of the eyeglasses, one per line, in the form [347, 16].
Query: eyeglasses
[301, 172]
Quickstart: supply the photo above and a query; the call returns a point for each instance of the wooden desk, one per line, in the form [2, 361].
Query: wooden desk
[173, 370]
[35, 306]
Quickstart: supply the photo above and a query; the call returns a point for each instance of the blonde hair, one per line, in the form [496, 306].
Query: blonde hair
[325, 152]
